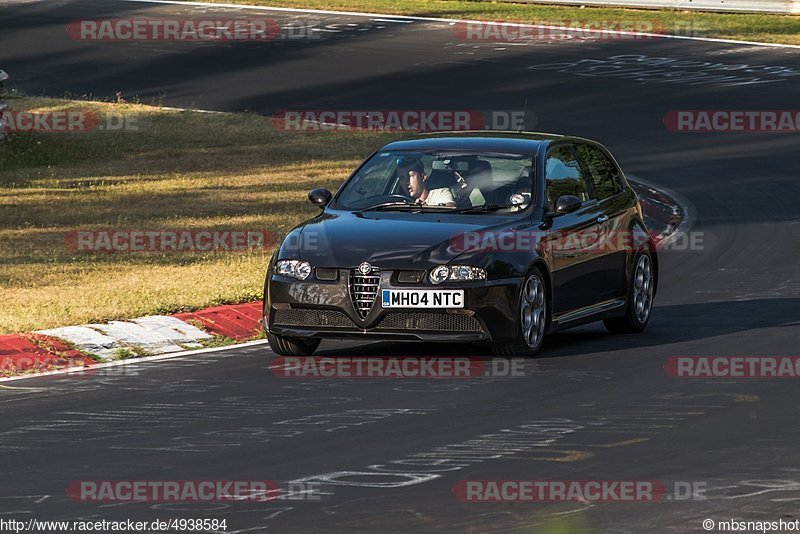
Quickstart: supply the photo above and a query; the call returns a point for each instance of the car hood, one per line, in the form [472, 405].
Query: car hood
[389, 240]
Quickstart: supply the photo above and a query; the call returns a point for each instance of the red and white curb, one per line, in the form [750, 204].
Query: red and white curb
[158, 335]
[85, 345]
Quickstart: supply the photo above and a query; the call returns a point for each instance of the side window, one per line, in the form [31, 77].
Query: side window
[563, 175]
[603, 173]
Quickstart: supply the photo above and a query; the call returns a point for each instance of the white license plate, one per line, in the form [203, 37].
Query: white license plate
[422, 298]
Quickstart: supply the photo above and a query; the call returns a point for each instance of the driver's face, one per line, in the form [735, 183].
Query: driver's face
[415, 183]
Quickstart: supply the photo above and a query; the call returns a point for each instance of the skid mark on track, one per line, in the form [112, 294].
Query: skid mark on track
[548, 440]
[116, 425]
[556, 455]
[286, 429]
[642, 68]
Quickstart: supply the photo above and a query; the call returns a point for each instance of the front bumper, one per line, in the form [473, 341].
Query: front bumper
[322, 309]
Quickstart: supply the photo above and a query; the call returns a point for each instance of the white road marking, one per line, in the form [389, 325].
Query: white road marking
[190, 109]
[129, 361]
[396, 21]
[453, 21]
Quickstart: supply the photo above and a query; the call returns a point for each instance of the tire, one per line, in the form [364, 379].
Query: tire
[639, 305]
[289, 346]
[531, 320]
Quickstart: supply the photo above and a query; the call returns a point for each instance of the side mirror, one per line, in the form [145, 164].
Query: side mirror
[320, 197]
[567, 204]
[564, 204]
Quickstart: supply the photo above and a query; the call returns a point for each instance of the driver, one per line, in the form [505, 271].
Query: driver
[412, 177]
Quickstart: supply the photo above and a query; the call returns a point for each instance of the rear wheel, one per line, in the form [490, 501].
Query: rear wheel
[531, 320]
[289, 346]
[640, 299]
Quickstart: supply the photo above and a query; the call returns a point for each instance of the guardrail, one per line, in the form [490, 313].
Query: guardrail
[740, 6]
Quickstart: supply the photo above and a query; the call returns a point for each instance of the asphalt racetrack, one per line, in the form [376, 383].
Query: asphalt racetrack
[592, 407]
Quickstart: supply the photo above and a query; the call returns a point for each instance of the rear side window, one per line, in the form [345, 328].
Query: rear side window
[563, 175]
[602, 172]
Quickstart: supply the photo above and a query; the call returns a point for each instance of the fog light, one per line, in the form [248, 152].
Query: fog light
[410, 277]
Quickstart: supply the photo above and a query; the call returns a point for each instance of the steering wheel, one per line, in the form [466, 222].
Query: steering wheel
[404, 198]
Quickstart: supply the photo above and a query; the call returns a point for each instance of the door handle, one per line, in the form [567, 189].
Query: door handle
[602, 218]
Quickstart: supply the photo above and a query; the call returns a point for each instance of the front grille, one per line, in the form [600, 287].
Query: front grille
[428, 321]
[392, 322]
[312, 318]
[364, 289]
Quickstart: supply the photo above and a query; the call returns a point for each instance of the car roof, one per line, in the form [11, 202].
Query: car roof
[478, 141]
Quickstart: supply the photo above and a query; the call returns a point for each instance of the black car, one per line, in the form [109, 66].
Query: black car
[484, 237]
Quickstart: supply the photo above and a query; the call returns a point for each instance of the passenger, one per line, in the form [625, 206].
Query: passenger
[479, 179]
[412, 176]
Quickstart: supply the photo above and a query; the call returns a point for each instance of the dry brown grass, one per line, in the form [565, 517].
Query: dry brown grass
[179, 170]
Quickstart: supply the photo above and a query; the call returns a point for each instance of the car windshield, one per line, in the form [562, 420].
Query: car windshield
[451, 182]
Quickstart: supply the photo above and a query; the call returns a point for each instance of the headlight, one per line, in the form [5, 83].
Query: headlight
[456, 273]
[294, 268]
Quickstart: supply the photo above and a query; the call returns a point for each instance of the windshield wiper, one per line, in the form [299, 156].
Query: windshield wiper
[402, 205]
[394, 203]
[483, 208]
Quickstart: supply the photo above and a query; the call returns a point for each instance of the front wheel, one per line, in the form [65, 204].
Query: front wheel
[640, 299]
[289, 346]
[531, 321]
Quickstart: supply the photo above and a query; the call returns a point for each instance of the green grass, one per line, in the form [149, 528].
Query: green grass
[219, 341]
[179, 170]
[783, 29]
[126, 353]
